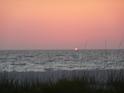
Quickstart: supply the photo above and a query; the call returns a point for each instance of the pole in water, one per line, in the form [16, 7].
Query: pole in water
[120, 44]
[106, 44]
[85, 45]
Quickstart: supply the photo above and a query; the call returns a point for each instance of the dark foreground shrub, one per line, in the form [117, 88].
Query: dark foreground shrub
[63, 86]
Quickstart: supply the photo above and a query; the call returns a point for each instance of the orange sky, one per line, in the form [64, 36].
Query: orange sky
[61, 24]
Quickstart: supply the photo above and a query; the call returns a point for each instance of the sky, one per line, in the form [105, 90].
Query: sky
[61, 24]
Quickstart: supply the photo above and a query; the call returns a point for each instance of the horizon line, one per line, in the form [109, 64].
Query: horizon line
[60, 49]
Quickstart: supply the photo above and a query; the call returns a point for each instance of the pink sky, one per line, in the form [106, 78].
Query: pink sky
[61, 24]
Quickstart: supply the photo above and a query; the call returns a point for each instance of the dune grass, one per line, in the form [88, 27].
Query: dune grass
[75, 85]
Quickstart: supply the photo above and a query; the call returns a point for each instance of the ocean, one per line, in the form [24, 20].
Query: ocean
[54, 60]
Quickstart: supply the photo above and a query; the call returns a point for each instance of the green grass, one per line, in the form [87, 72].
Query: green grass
[76, 85]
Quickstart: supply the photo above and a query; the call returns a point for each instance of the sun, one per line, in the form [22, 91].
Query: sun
[76, 49]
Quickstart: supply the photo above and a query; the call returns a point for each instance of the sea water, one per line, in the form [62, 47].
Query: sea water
[54, 60]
